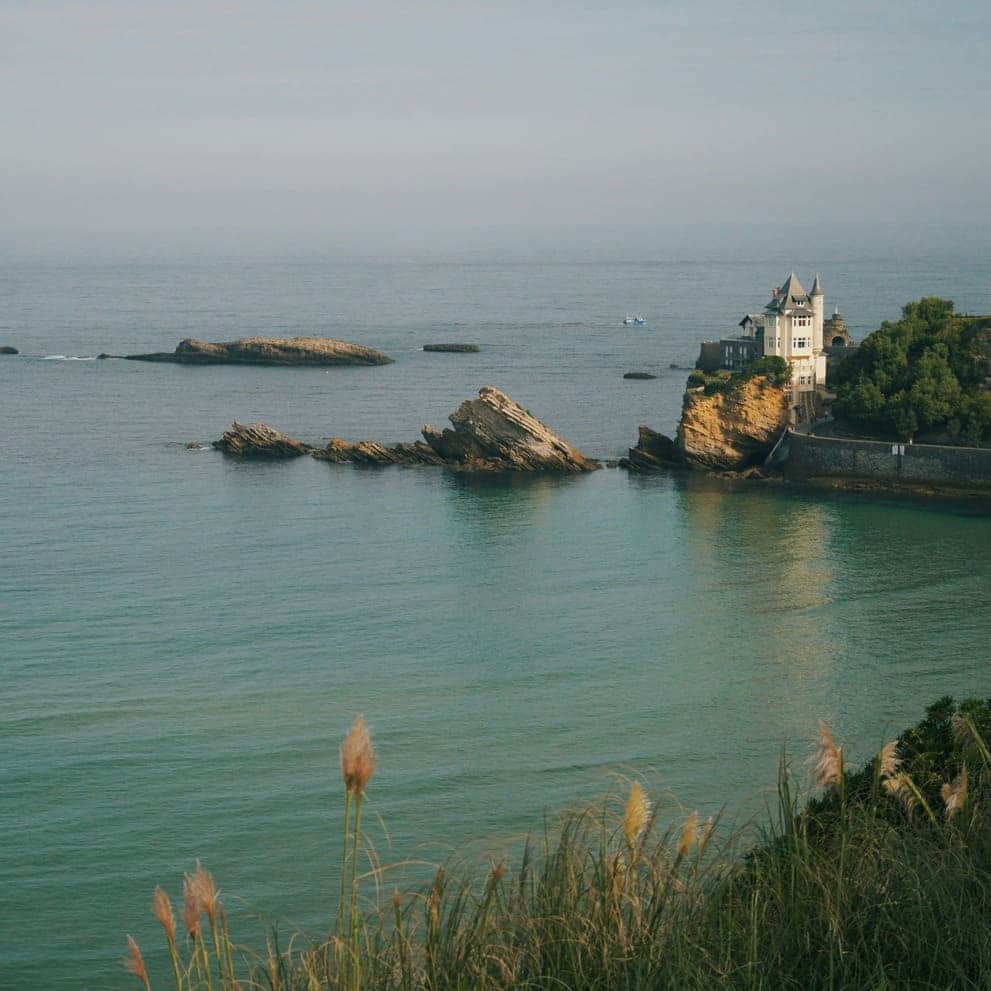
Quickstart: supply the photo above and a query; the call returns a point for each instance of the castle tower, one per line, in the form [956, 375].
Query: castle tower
[817, 298]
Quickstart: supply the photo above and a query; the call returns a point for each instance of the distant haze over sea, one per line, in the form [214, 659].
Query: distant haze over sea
[783, 243]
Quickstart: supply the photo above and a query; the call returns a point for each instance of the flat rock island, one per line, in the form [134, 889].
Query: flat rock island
[267, 351]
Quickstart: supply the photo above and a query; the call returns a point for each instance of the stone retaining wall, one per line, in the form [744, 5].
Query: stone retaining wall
[805, 456]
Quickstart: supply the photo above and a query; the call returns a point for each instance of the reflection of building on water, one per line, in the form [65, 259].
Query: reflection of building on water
[766, 550]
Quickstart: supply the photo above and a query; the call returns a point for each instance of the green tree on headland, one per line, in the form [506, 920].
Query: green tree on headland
[925, 373]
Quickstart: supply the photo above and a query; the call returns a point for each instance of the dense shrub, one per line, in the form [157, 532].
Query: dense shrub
[923, 373]
[772, 367]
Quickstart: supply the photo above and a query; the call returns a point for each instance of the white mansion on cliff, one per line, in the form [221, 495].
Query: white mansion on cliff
[791, 327]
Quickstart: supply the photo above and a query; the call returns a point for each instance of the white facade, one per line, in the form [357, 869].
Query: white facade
[793, 331]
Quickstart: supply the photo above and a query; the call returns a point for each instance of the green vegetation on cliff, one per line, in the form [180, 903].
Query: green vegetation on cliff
[924, 374]
[882, 881]
[776, 370]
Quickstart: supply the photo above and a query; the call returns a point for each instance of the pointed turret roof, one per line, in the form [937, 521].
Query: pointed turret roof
[790, 295]
[816, 287]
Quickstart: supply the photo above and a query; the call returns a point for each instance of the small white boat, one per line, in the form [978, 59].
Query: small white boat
[638, 319]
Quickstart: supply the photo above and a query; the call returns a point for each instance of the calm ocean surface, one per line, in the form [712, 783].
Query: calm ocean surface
[184, 639]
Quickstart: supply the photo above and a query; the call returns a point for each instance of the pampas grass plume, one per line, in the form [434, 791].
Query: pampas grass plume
[889, 763]
[899, 788]
[636, 815]
[689, 835]
[704, 835]
[357, 757]
[955, 794]
[190, 907]
[828, 769]
[134, 962]
[206, 893]
[161, 907]
[963, 733]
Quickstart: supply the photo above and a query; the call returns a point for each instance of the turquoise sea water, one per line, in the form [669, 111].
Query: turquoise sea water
[185, 638]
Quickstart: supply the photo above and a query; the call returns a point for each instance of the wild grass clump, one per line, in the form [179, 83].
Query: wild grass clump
[882, 880]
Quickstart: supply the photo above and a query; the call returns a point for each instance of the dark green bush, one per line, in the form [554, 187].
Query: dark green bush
[923, 373]
[771, 367]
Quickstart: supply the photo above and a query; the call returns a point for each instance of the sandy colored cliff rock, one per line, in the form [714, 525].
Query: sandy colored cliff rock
[730, 430]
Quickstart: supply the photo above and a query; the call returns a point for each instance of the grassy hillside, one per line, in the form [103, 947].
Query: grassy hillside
[881, 881]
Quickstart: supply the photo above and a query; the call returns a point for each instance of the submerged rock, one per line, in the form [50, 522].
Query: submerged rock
[258, 440]
[733, 429]
[639, 375]
[268, 351]
[653, 451]
[491, 433]
[7, 349]
[455, 348]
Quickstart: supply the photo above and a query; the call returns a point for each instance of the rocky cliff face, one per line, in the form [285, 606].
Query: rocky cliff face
[731, 430]
[491, 433]
[268, 351]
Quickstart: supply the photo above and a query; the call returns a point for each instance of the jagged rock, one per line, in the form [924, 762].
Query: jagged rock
[258, 440]
[6, 349]
[653, 451]
[639, 375]
[192, 445]
[368, 452]
[733, 429]
[494, 433]
[491, 433]
[267, 351]
[455, 348]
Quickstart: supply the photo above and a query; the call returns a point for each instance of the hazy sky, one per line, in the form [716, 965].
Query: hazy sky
[391, 117]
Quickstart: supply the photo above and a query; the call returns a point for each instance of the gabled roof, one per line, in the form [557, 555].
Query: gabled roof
[756, 318]
[790, 295]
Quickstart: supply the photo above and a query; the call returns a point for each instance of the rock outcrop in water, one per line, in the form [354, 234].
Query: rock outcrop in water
[258, 440]
[369, 452]
[267, 351]
[491, 433]
[730, 430]
[454, 348]
[653, 451]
